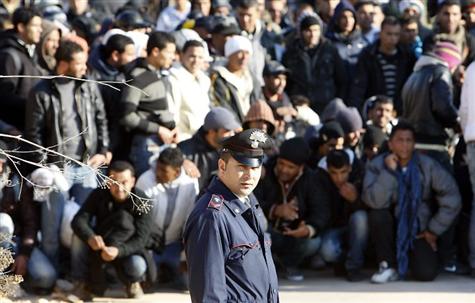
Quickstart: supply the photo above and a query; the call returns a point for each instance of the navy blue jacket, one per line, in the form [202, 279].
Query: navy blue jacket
[228, 260]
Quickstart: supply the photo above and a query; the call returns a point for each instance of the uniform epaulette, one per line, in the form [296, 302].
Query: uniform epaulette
[215, 202]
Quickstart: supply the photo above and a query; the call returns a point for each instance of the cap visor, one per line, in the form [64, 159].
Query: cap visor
[248, 161]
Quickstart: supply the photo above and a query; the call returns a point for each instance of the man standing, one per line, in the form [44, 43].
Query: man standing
[228, 253]
[145, 112]
[17, 54]
[382, 67]
[68, 116]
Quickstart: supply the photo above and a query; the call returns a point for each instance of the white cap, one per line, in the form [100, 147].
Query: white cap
[110, 33]
[237, 43]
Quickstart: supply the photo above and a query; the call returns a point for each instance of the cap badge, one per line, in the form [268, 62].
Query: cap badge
[257, 137]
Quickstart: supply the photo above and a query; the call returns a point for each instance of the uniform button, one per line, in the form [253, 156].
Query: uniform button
[236, 210]
[274, 290]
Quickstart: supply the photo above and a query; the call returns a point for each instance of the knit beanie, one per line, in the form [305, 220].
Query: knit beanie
[332, 109]
[309, 21]
[374, 136]
[260, 111]
[417, 4]
[237, 43]
[349, 119]
[448, 52]
[295, 150]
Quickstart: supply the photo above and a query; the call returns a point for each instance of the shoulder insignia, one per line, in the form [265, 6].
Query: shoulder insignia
[215, 202]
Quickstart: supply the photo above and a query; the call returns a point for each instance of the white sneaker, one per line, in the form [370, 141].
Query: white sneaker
[385, 274]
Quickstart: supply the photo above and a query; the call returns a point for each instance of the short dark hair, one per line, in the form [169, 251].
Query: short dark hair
[66, 50]
[364, 2]
[116, 42]
[121, 166]
[171, 156]
[24, 15]
[191, 43]
[402, 125]
[338, 158]
[390, 21]
[245, 4]
[160, 40]
[448, 3]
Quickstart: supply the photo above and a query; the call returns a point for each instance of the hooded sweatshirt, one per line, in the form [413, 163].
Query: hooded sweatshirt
[47, 63]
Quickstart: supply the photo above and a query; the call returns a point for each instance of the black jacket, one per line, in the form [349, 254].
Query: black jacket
[43, 118]
[100, 205]
[202, 154]
[318, 74]
[15, 60]
[369, 79]
[313, 201]
[428, 101]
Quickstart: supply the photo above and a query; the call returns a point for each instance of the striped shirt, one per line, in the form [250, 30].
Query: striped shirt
[389, 68]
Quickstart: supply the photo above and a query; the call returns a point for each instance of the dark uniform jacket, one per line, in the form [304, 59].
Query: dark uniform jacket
[228, 260]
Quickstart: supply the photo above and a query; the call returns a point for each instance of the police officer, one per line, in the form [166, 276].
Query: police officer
[228, 253]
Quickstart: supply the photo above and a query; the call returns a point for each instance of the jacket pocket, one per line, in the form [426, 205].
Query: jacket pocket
[239, 251]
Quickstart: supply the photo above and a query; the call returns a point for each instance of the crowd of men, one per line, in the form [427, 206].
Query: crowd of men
[368, 104]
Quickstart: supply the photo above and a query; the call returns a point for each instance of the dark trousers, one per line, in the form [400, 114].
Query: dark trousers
[423, 261]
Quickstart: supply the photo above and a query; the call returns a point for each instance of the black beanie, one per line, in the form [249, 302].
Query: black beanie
[374, 136]
[295, 150]
[309, 21]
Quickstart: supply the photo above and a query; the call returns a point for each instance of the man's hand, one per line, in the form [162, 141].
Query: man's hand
[191, 169]
[96, 243]
[349, 192]
[391, 161]
[288, 211]
[109, 253]
[300, 232]
[167, 136]
[430, 238]
[97, 160]
[21, 264]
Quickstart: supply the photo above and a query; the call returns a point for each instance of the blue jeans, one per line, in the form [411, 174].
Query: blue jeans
[131, 268]
[333, 244]
[142, 149]
[292, 251]
[82, 181]
[41, 273]
[170, 256]
[471, 169]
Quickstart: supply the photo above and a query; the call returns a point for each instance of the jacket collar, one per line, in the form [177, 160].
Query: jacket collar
[232, 202]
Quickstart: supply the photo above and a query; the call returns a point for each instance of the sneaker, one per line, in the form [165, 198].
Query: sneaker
[385, 274]
[456, 268]
[78, 294]
[293, 274]
[134, 290]
[355, 275]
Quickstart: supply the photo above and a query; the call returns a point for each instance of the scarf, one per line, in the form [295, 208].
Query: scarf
[410, 196]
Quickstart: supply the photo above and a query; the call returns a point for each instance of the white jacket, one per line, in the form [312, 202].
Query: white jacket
[467, 104]
[190, 98]
[185, 201]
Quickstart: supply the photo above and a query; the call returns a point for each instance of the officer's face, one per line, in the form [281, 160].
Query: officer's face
[239, 178]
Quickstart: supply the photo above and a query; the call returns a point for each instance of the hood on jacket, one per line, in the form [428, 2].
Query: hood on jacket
[97, 62]
[10, 38]
[260, 111]
[333, 26]
[45, 61]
